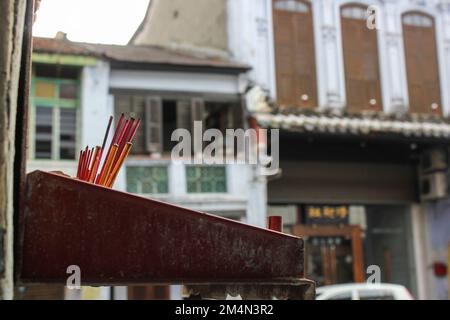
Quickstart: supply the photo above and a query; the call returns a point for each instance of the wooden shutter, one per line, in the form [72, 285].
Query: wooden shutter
[197, 109]
[133, 106]
[122, 104]
[153, 125]
[184, 114]
[197, 114]
[138, 112]
[360, 46]
[421, 62]
[238, 115]
[294, 53]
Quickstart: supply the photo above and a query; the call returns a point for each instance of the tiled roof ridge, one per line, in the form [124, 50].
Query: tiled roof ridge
[365, 114]
[362, 124]
[109, 51]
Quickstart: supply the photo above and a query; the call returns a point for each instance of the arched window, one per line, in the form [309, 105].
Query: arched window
[294, 53]
[421, 63]
[360, 47]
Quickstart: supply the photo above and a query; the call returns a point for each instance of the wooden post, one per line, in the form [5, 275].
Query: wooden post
[12, 20]
[358, 266]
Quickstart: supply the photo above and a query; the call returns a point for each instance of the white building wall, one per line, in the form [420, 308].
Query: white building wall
[421, 251]
[176, 81]
[246, 195]
[94, 103]
[438, 226]
[250, 38]
[251, 41]
[245, 199]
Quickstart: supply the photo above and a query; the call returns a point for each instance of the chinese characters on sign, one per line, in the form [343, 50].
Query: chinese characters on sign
[326, 214]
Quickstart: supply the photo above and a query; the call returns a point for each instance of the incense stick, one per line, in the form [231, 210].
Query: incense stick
[83, 166]
[113, 141]
[123, 139]
[102, 148]
[118, 165]
[119, 148]
[134, 130]
[88, 162]
[107, 132]
[95, 160]
[108, 165]
[79, 163]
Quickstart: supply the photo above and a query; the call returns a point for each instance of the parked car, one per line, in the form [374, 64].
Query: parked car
[363, 291]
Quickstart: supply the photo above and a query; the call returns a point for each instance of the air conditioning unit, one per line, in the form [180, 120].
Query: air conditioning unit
[434, 160]
[433, 186]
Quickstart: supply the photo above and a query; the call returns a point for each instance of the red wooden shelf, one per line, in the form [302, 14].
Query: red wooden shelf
[119, 238]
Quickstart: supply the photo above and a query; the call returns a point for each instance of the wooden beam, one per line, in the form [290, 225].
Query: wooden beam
[322, 231]
[357, 249]
[117, 238]
[70, 60]
[12, 21]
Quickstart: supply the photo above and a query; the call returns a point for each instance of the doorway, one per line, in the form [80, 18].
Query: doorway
[333, 254]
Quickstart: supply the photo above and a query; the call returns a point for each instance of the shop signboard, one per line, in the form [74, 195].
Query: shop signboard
[329, 214]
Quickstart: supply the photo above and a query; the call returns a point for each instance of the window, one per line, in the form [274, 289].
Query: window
[291, 5]
[206, 179]
[67, 133]
[354, 12]
[147, 180]
[294, 53]
[161, 116]
[43, 133]
[55, 102]
[421, 63]
[418, 20]
[360, 46]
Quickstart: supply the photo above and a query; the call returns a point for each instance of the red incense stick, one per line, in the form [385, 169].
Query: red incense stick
[79, 163]
[113, 141]
[133, 133]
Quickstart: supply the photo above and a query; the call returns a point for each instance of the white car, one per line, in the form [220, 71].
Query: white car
[363, 291]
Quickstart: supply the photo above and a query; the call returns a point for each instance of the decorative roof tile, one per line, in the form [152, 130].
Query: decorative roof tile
[134, 54]
[362, 124]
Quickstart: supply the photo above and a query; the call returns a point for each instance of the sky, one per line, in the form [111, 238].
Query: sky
[97, 21]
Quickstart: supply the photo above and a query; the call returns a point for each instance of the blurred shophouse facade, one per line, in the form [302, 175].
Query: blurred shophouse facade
[362, 112]
[363, 118]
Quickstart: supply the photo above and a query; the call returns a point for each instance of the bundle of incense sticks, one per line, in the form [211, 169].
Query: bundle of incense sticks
[119, 148]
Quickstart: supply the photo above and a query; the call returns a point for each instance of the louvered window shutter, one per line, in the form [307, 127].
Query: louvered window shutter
[421, 63]
[238, 114]
[122, 104]
[294, 53]
[184, 114]
[153, 125]
[138, 112]
[197, 109]
[360, 48]
[197, 114]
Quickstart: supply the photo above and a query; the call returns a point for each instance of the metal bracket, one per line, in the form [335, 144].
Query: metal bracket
[281, 289]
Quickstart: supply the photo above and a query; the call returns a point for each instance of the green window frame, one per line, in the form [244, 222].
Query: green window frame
[62, 122]
[206, 179]
[147, 179]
